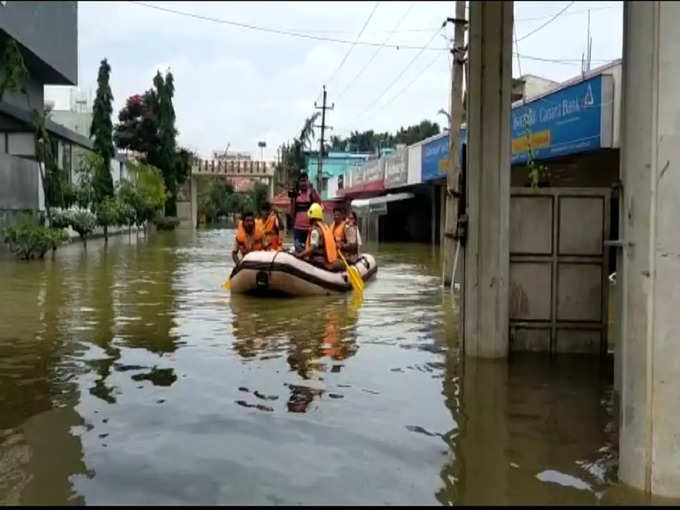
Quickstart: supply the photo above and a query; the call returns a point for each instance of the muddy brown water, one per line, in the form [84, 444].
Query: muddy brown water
[129, 376]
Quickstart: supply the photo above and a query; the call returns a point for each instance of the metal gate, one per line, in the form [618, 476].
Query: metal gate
[558, 269]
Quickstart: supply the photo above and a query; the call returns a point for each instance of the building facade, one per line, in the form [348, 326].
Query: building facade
[46, 35]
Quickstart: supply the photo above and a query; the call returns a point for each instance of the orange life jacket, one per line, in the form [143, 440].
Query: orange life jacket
[330, 248]
[339, 232]
[242, 238]
[271, 233]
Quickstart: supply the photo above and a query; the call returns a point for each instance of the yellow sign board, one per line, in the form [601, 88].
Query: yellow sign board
[537, 140]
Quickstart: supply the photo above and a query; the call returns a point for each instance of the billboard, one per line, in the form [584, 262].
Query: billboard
[435, 154]
[396, 169]
[575, 119]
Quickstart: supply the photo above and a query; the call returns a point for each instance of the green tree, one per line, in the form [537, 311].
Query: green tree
[166, 157]
[147, 126]
[108, 214]
[145, 192]
[101, 130]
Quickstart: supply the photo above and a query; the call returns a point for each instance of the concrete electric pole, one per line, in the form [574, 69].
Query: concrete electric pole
[323, 108]
[450, 246]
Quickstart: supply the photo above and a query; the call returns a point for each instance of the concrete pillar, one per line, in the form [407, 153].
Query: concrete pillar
[487, 252]
[650, 277]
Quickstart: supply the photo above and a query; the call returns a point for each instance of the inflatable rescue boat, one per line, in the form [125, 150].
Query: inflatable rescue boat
[280, 273]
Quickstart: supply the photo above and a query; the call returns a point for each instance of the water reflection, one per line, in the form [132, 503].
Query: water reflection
[315, 337]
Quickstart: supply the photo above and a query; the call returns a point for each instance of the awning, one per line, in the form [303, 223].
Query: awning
[378, 205]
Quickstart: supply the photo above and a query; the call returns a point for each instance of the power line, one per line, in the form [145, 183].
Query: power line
[375, 54]
[374, 103]
[344, 59]
[571, 13]
[545, 24]
[418, 76]
[284, 32]
[571, 61]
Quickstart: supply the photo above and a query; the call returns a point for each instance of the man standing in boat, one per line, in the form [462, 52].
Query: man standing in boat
[249, 237]
[320, 248]
[300, 200]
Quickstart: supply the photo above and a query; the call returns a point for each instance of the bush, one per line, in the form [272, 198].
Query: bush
[60, 219]
[126, 214]
[83, 222]
[166, 222]
[28, 239]
[107, 214]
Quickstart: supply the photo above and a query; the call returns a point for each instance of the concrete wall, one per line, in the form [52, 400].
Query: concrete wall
[49, 30]
[19, 183]
[21, 144]
[77, 121]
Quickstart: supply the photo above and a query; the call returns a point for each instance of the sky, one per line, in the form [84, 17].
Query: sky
[236, 86]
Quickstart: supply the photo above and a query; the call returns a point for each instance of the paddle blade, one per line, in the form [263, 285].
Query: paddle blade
[356, 278]
[227, 284]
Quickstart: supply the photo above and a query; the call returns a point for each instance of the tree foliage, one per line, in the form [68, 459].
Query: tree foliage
[144, 192]
[370, 141]
[29, 239]
[147, 126]
[101, 130]
[15, 78]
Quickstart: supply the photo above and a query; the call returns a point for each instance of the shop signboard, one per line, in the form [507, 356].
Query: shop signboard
[435, 156]
[396, 169]
[374, 171]
[575, 119]
[358, 175]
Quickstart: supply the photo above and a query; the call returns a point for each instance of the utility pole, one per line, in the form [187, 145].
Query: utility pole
[323, 108]
[453, 193]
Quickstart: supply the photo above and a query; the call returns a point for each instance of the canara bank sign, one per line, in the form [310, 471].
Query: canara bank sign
[577, 118]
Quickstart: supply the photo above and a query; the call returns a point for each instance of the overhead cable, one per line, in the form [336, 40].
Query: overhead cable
[375, 54]
[403, 71]
[544, 24]
[344, 59]
[285, 32]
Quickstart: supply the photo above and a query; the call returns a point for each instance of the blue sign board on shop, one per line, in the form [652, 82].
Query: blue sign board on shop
[435, 154]
[575, 119]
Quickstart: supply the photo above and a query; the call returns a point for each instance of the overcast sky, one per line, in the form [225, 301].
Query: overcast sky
[237, 86]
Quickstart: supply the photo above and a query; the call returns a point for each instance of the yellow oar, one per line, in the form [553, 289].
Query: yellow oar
[353, 275]
[227, 284]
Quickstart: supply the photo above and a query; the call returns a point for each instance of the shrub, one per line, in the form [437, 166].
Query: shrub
[107, 214]
[83, 222]
[60, 219]
[28, 239]
[126, 214]
[166, 222]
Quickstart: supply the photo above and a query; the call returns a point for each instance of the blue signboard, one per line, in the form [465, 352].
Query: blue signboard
[565, 122]
[434, 155]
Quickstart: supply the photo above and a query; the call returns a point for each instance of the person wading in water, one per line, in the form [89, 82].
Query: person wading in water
[300, 201]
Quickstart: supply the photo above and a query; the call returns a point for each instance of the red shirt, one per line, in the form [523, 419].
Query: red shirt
[299, 206]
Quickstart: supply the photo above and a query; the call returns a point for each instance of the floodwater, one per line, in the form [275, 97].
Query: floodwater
[129, 376]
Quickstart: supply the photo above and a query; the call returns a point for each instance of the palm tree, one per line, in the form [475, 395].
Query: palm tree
[307, 133]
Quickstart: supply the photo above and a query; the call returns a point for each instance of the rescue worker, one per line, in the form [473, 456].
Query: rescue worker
[271, 228]
[249, 237]
[345, 235]
[350, 247]
[300, 200]
[320, 248]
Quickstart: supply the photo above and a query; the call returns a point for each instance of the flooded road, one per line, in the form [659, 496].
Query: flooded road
[129, 376]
